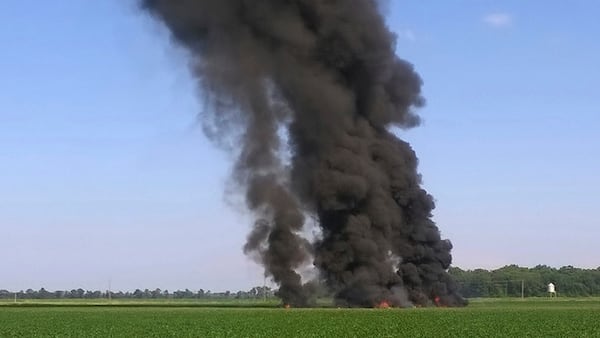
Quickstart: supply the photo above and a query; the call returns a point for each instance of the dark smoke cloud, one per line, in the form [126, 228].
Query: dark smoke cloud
[326, 73]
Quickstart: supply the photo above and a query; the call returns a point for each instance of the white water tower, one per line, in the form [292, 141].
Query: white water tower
[551, 290]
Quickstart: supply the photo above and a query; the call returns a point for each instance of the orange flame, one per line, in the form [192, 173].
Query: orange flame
[287, 306]
[383, 305]
[437, 301]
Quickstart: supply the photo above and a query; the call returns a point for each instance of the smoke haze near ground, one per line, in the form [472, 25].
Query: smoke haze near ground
[306, 92]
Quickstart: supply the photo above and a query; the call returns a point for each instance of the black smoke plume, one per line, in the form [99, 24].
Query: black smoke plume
[308, 91]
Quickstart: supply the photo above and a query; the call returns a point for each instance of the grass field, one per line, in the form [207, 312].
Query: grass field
[482, 318]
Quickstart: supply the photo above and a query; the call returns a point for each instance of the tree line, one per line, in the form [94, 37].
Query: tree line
[511, 280]
[257, 292]
[508, 281]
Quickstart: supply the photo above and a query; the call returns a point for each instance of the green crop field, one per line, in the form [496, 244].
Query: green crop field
[483, 318]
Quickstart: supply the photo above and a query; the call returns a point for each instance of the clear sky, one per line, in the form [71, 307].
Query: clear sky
[105, 173]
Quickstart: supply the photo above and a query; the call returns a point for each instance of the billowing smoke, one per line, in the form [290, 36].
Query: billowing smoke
[305, 92]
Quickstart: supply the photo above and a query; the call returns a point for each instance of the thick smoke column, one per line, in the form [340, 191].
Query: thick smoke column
[325, 74]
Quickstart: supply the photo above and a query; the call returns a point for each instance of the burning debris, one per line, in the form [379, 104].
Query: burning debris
[309, 90]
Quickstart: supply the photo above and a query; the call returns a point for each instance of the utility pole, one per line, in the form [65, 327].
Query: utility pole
[15, 298]
[265, 289]
[109, 292]
[522, 289]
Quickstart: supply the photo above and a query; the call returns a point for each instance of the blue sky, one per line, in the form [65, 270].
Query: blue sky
[105, 173]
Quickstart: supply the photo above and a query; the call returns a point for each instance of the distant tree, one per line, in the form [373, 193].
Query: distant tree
[138, 294]
[5, 294]
[157, 293]
[43, 294]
